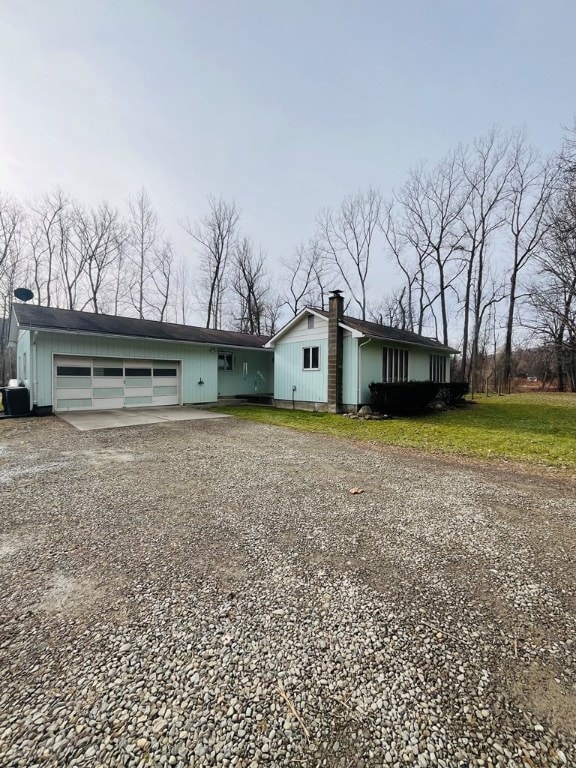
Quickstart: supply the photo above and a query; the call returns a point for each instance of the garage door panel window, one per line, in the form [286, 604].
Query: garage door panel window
[108, 371]
[72, 382]
[99, 392]
[138, 400]
[163, 391]
[73, 370]
[141, 381]
[106, 382]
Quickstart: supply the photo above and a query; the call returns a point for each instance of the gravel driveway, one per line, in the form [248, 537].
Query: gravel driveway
[211, 593]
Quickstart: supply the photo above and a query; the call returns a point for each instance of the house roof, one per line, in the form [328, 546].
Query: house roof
[363, 328]
[388, 333]
[61, 320]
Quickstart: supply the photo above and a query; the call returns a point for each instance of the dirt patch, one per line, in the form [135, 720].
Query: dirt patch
[535, 688]
[72, 596]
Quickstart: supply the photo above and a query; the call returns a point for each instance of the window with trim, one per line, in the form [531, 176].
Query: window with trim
[311, 358]
[438, 368]
[310, 321]
[225, 361]
[394, 364]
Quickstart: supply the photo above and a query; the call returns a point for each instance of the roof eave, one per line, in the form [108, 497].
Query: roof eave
[77, 332]
[436, 348]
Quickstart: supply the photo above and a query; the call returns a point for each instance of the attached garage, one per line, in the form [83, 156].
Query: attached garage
[72, 360]
[103, 383]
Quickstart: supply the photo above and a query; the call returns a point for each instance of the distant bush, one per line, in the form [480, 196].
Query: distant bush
[402, 399]
[452, 393]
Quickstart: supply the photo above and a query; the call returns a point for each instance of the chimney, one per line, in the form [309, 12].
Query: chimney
[335, 351]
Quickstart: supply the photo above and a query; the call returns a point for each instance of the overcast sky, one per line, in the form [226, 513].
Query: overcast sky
[284, 107]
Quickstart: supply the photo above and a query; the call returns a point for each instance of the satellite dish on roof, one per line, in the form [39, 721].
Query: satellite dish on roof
[24, 294]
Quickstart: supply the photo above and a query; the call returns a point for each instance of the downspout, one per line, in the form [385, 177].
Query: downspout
[33, 369]
[359, 384]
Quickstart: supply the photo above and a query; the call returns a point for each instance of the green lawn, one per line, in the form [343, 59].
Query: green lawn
[531, 428]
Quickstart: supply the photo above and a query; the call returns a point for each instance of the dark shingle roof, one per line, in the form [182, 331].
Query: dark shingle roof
[387, 333]
[52, 319]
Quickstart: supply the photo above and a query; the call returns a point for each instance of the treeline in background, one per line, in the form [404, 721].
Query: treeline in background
[482, 243]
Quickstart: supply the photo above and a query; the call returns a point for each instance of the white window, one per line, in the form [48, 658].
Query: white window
[225, 361]
[438, 368]
[310, 321]
[394, 364]
[311, 358]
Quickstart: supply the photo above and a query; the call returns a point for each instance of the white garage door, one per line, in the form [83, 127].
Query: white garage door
[93, 383]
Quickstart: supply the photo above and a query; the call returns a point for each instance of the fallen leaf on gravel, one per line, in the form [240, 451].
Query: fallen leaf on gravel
[356, 490]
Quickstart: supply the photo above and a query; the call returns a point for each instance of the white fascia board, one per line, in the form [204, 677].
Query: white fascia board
[355, 334]
[14, 328]
[71, 331]
[289, 325]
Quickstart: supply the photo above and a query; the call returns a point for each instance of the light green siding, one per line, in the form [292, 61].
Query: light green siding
[311, 386]
[350, 371]
[197, 363]
[252, 374]
[23, 359]
[419, 365]
[370, 367]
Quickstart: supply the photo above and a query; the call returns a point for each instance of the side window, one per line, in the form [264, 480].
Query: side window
[225, 361]
[438, 368]
[311, 358]
[394, 364]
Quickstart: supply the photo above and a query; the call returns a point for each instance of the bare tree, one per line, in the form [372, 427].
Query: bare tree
[346, 238]
[553, 293]
[144, 236]
[122, 268]
[399, 307]
[11, 223]
[271, 314]
[391, 310]
[71, 259]
[161, 277]
[321, 277]
[182, 292]
[48, 245]
[432, 202]
[486, 169]
[532, 184]
[98, 235]
[250, 286]
[215, 234]
[303, 278]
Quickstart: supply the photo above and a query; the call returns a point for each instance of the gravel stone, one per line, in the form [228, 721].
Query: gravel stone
[209, 593]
